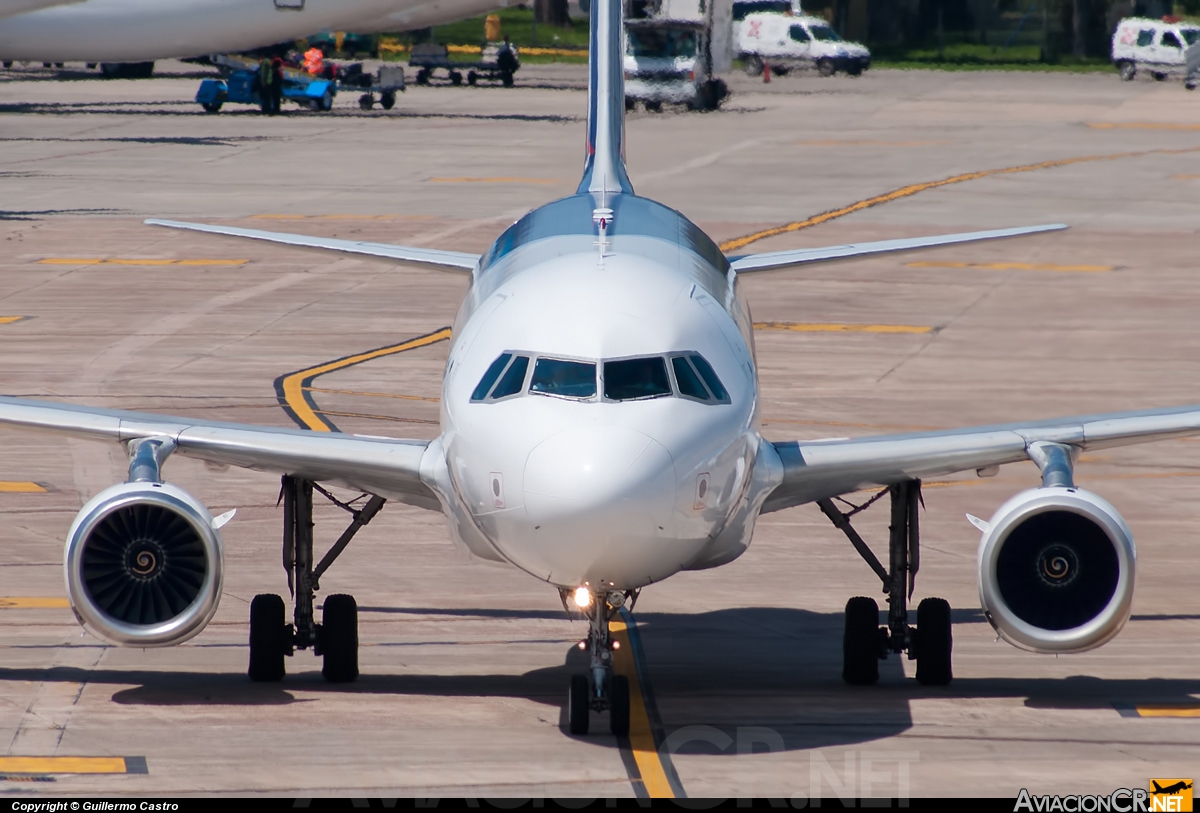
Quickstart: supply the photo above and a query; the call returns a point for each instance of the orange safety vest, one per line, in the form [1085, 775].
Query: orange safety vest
[313, 60]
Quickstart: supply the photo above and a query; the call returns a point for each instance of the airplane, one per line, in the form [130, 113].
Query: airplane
[600, 430]
[136, 32]
[1170, 790]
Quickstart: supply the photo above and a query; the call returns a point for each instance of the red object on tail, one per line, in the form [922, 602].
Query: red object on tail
[766, 73]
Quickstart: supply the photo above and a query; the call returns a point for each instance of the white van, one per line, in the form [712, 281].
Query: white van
[786, 41]
[1157, 47]
[666, 62]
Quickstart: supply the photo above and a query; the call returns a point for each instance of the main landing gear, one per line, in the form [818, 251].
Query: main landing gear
[865, 643]
[271, 638]
[600, 689]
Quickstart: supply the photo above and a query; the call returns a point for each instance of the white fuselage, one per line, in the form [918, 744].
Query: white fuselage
[590, 490]
[145, 30]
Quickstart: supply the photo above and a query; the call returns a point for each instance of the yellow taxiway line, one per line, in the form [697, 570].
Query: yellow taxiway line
[1168, 711]
[738, 243]
[12, 320]
[51, 765]
[34, 603]
[642, 743]
[294, 389]
[21, 487]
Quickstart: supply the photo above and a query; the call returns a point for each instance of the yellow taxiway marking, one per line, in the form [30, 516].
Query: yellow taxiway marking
[34, 603]
[738, 243]
[1140, 125]
[376, 394]
[641, 735]
[1015, 266]
[820, 327]
[133, 261]
[1186, 177]
[1168, 711]
[504, 179]
[294, 389]
[63, 765]
[21, 487]
[9, 320]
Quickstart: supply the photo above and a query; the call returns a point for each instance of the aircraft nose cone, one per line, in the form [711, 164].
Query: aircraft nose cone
[598, 500]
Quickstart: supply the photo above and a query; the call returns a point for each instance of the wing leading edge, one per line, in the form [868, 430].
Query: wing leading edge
[389, 468]
[814, 470]
[427, 256]
[801, 256]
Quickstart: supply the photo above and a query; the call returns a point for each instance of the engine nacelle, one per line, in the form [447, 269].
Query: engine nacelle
[144, 565]
[1056, 570]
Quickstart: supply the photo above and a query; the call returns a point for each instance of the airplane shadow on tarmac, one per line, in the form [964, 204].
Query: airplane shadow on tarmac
[764, 678]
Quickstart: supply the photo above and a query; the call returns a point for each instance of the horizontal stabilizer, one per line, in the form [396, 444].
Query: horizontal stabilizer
[428, 256]
[800, 256]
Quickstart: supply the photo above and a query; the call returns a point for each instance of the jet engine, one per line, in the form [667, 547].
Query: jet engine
[1056, 567]
[144, 565]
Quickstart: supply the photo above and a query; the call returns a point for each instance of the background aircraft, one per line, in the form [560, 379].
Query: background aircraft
[600, 431]
[132, 31]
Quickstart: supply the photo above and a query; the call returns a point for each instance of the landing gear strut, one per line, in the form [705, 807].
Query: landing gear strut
[601, 689]
[865, 643]
[337, 639]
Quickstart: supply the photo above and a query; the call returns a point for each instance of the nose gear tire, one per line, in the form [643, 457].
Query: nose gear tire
[618, 705]
[579, 705]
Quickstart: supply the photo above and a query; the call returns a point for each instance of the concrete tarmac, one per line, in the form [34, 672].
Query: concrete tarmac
[465, 665]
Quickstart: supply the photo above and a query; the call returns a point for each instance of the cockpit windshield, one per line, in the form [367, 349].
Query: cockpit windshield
[566, 379]
[686, 375]
[630, 379]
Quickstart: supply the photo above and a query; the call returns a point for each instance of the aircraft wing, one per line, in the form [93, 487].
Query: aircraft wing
[800, 256]
[814, 470]
[428, 256]
[389, 468]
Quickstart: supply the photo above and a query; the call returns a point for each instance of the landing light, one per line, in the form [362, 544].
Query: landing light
[583, 598]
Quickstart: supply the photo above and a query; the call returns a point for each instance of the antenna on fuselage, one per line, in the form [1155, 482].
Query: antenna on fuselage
[604, 166]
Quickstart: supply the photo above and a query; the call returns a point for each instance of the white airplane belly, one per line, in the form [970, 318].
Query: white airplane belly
[144, 30]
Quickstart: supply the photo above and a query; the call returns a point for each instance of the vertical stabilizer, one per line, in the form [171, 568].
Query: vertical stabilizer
[604, 169]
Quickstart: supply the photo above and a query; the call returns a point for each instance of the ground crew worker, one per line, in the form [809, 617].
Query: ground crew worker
[276, 85]
[263, 81]
[314, 60]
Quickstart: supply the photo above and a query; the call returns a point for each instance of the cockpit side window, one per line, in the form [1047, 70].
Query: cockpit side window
[565, 379]
[632, 379]
[489, 378]
[514, 379]
[710, 377]
[690, 385]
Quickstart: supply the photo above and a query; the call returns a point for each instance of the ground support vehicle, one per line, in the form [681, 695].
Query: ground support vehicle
[494, 64]
[387, 82]
[668, 62]
[1161, 48]
[240, 86]
[785, 42]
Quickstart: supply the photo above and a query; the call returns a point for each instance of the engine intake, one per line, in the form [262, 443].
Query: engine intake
[1056, 570]
[144, 565]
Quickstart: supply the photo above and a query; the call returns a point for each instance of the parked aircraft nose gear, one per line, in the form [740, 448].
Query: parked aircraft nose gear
[337, 638]
[865, 643]
[601, 689]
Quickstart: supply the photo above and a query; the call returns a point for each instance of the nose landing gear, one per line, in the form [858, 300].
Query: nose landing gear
[601, 689]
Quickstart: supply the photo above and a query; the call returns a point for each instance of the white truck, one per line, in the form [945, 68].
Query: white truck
[673, 52]
[785, 41]
[1162, 48]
